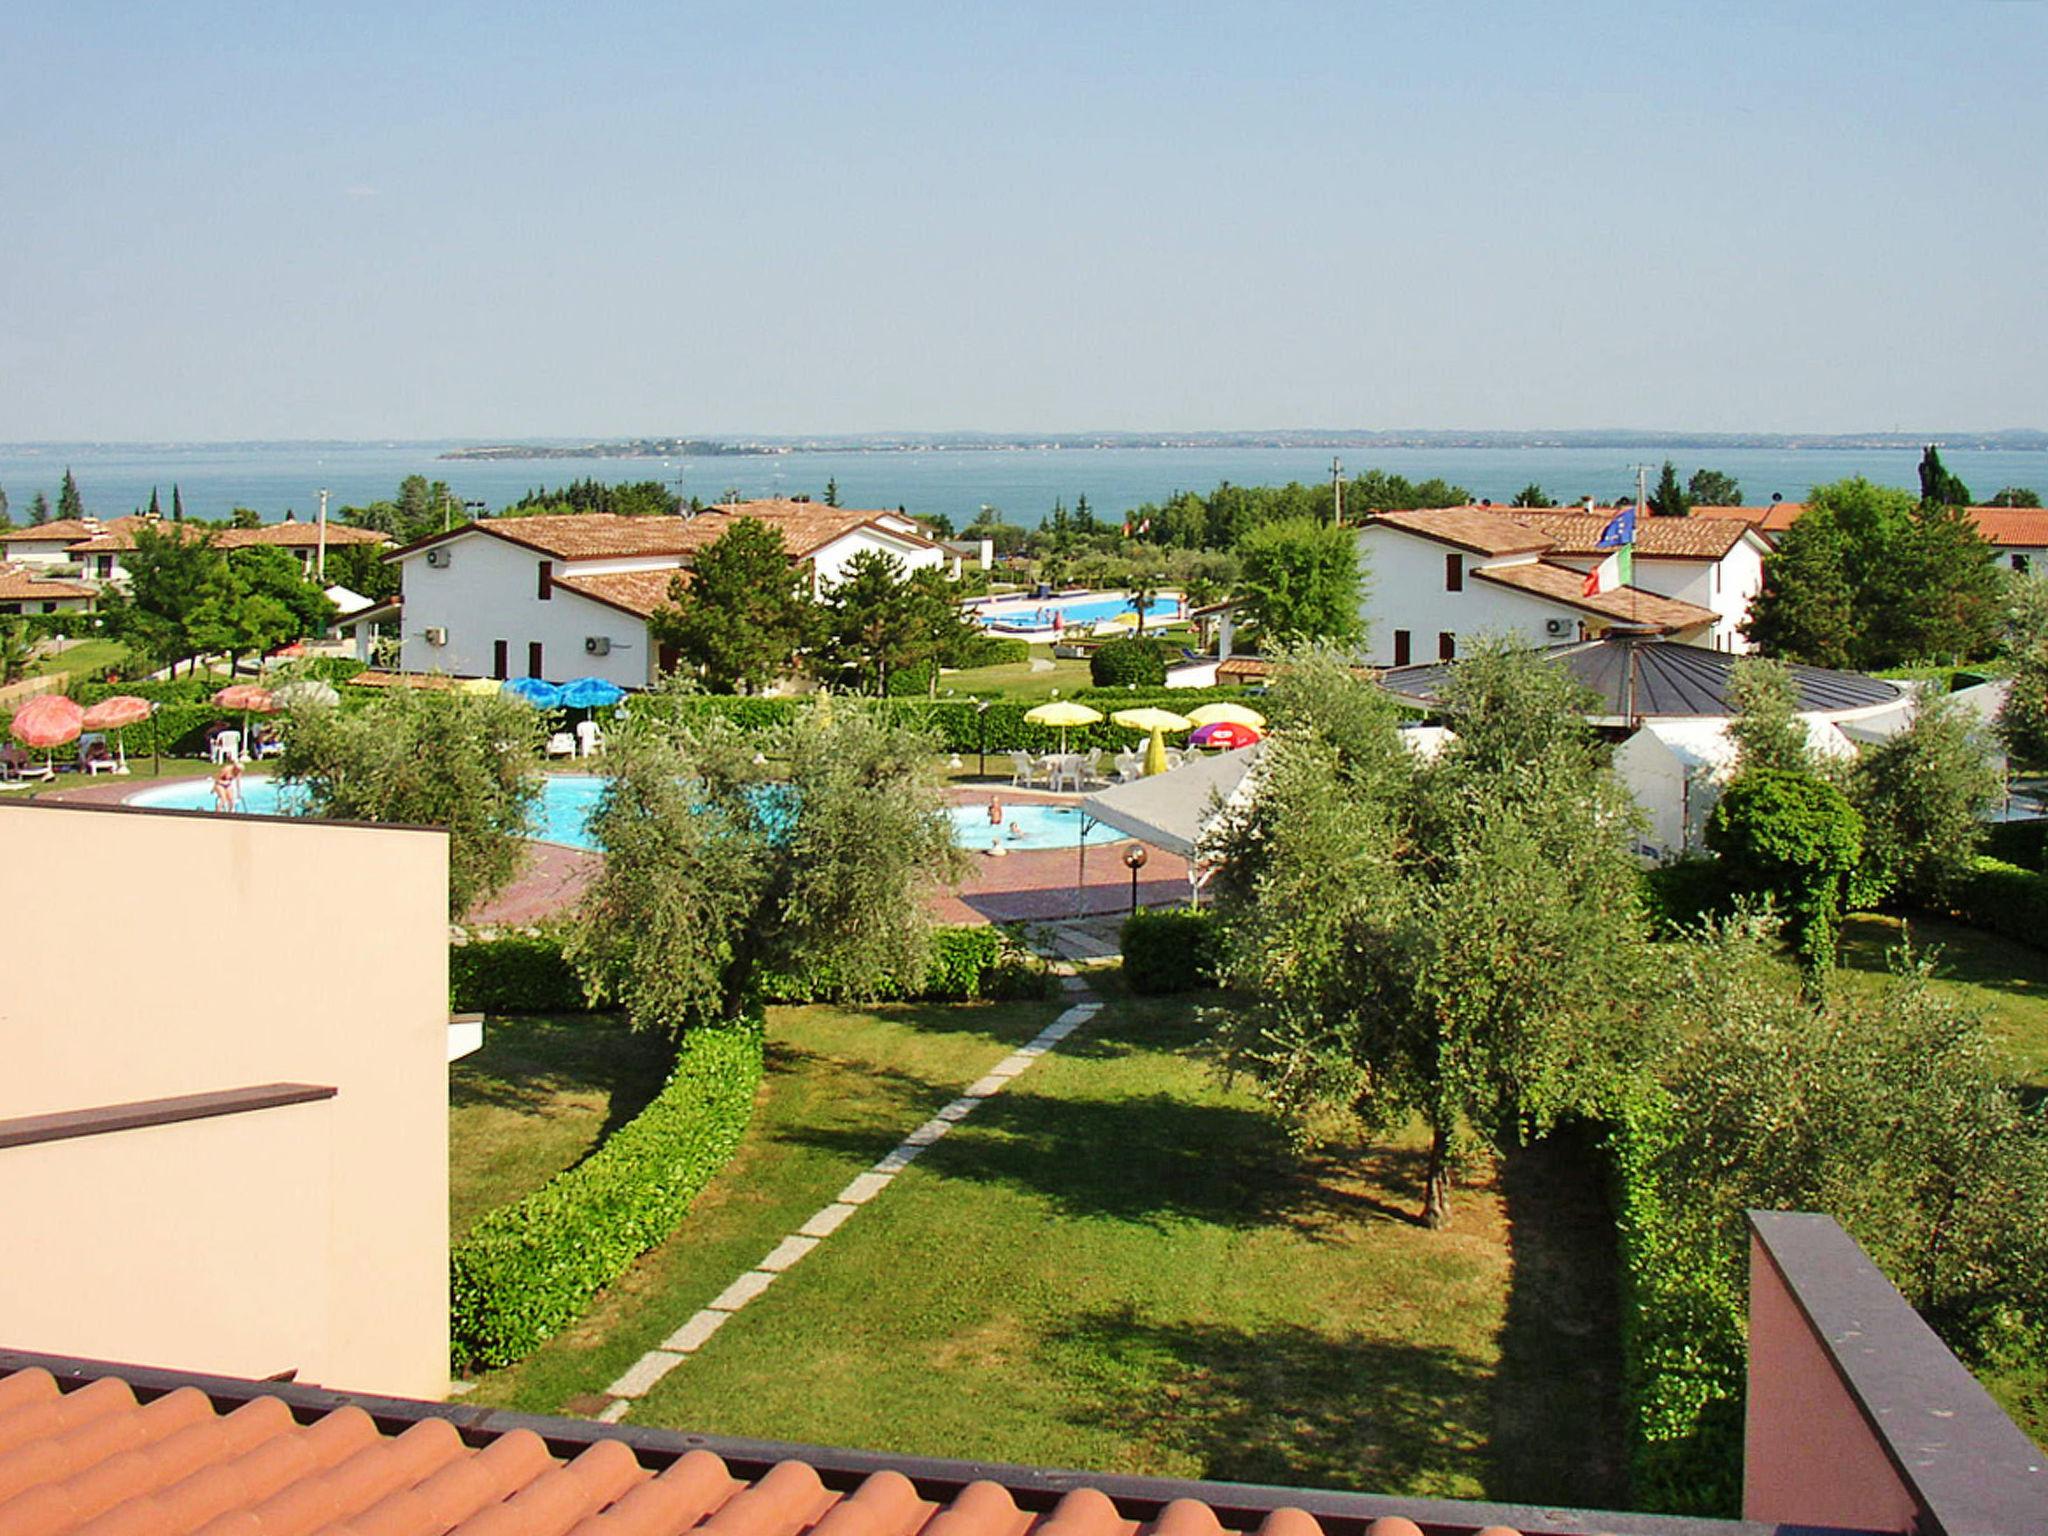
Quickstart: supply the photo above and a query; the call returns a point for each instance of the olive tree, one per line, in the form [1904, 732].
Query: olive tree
[716, 878]
[1922, 795]
[432, 757]
[1400, 933]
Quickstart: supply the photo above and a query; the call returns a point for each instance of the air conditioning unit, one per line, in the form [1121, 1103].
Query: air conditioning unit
[597, 645]
[436, 635]
[1559, 627]
[438, 559]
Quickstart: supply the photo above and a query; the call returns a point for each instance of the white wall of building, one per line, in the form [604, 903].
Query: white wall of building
[1405, 590]
[489, 591]
[830, 561]
[31, 551]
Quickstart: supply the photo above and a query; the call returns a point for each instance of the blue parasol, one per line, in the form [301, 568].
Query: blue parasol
[531, 690]
[589, 693]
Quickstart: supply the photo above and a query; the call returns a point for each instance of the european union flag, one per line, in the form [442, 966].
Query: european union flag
[1620, 531]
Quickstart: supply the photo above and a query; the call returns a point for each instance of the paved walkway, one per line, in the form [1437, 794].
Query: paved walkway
[638, 1379]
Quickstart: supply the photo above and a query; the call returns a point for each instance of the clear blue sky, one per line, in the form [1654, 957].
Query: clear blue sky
[255, 221]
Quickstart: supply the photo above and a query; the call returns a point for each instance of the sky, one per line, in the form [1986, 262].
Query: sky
[240, 222]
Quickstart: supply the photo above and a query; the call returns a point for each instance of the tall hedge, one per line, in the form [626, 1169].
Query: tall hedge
[528, 1269]
[1126, 660]
[1170, 950]
[2005, 899]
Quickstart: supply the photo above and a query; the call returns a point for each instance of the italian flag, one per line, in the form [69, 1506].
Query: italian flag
[1617, 570]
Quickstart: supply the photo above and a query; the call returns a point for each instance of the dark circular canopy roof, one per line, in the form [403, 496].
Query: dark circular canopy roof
[1672, 681]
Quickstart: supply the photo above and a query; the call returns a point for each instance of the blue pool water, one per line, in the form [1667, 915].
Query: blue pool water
[569, 798]
[1074, 610]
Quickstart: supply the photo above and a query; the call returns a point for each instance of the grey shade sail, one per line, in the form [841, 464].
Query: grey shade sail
[1169, 810]
[1672, 681]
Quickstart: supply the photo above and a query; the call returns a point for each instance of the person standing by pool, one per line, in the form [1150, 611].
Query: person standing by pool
[227, 785]
[995, 812]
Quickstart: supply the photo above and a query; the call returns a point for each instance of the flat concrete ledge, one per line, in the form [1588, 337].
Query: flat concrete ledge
[1858, 1414]
[66, 1125]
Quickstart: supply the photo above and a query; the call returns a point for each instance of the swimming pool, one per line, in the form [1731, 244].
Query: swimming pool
[568, 799]
[1088, 608]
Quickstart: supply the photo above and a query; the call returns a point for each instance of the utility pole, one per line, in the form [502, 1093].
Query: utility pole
[320, 566]
[1337, 486]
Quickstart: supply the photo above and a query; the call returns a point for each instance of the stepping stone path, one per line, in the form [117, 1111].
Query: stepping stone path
[639, 1378]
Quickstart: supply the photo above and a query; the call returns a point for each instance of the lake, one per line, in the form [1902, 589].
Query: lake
[1024, 483]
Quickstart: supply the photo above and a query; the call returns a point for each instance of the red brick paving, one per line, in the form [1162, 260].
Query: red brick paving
[1029, 886]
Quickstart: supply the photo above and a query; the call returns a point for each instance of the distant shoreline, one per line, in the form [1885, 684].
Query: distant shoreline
[2017, 440]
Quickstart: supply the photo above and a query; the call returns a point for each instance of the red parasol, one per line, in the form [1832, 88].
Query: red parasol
[48, 721]
[1224, 733]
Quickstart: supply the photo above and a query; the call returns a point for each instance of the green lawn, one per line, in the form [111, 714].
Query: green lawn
[2006, 982]
[1119, 1264]
[540, 1094]
[88, 659]
[1016, 680]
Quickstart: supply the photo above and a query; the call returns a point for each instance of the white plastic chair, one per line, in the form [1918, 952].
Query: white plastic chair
[227, 747]
[589, 738]
[561, 744]
[1023, 770]
[1129, 766]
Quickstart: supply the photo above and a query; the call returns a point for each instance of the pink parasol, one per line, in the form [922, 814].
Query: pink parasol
[112, 714]
[48, 721]
[1224, 733]
[247, 697]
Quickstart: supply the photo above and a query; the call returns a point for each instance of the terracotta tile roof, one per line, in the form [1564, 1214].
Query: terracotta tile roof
[1775, 518]
[217, 1456]
[297, 535]
[1671, 538]
[62, 528]
[119, 533]
[1482, 530]
[2012, 527]
[806, 526]
[1560, 584]
[635, 592]
[21, 583]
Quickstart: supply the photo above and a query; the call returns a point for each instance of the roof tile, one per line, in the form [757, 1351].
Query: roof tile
[1483, 530]
[1672, 538]
[22, 583]
[1631, 605]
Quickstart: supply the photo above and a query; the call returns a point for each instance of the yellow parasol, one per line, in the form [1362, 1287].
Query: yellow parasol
[1158, 722]
[1063, 713]
[478, 685]
[1227, 714]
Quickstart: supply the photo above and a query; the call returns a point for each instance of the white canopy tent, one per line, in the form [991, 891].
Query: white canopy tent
[1169, 810]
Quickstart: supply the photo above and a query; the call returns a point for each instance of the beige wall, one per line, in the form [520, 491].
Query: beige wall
[214, 953]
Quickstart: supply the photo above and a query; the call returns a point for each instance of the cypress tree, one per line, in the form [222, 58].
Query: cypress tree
[156, 508]
[177, 504]
[1937, 486]
[69, 504]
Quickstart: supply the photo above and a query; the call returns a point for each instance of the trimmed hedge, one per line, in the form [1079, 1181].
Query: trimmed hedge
[2024, 843]
[1170, 950]
[1121, 662]
[2005, 899]
[990, 651]
[528, 1269]
[1683, 1337]
[528, 973]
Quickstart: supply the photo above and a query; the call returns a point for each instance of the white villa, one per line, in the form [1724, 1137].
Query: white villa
[570, 596]
[93, 549]
[25, 589]
[1437, 574]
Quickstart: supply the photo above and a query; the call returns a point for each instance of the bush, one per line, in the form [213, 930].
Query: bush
[2004, 899]
[529, 973]
[521, 973]
[1683, 1333]
[1170, 950]
[985, 650]
[527, 1269]
[2024, 843]
[1677, 895]
[1119, 663]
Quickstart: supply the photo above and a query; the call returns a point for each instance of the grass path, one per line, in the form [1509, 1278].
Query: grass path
[1117, 1264]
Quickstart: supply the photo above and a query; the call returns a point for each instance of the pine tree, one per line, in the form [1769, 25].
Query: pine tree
[156, 509]
[1937, 485]
[1531, 495]
[1669, 499]
[177, 504]
[69, 504]
[831, 493]
[39, 509]
[6, 518]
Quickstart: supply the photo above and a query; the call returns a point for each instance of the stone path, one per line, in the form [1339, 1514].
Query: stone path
[638, 1379]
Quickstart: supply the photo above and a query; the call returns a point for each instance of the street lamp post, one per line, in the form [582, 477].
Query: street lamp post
[1134, 860]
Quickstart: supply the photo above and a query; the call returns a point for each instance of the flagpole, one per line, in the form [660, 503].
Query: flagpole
[1634, 613]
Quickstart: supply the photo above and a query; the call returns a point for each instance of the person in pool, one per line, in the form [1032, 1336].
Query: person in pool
[227, 785]
[995, 812]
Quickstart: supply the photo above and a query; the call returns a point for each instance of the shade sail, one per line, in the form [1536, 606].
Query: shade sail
[1169, 810]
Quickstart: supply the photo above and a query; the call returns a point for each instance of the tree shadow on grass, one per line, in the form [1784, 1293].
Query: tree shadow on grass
[1557, 1427]
[1282, 1404]
[1154, 1158]
[525, 1065]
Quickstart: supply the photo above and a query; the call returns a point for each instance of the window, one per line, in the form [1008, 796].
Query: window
[2020, 563]
[106, 566]
[1446, 646]
[49, 607]
[547, 581]
[1454, 573]
[501, 660]
[533, 666]
[10, 607]
[1401, 648]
